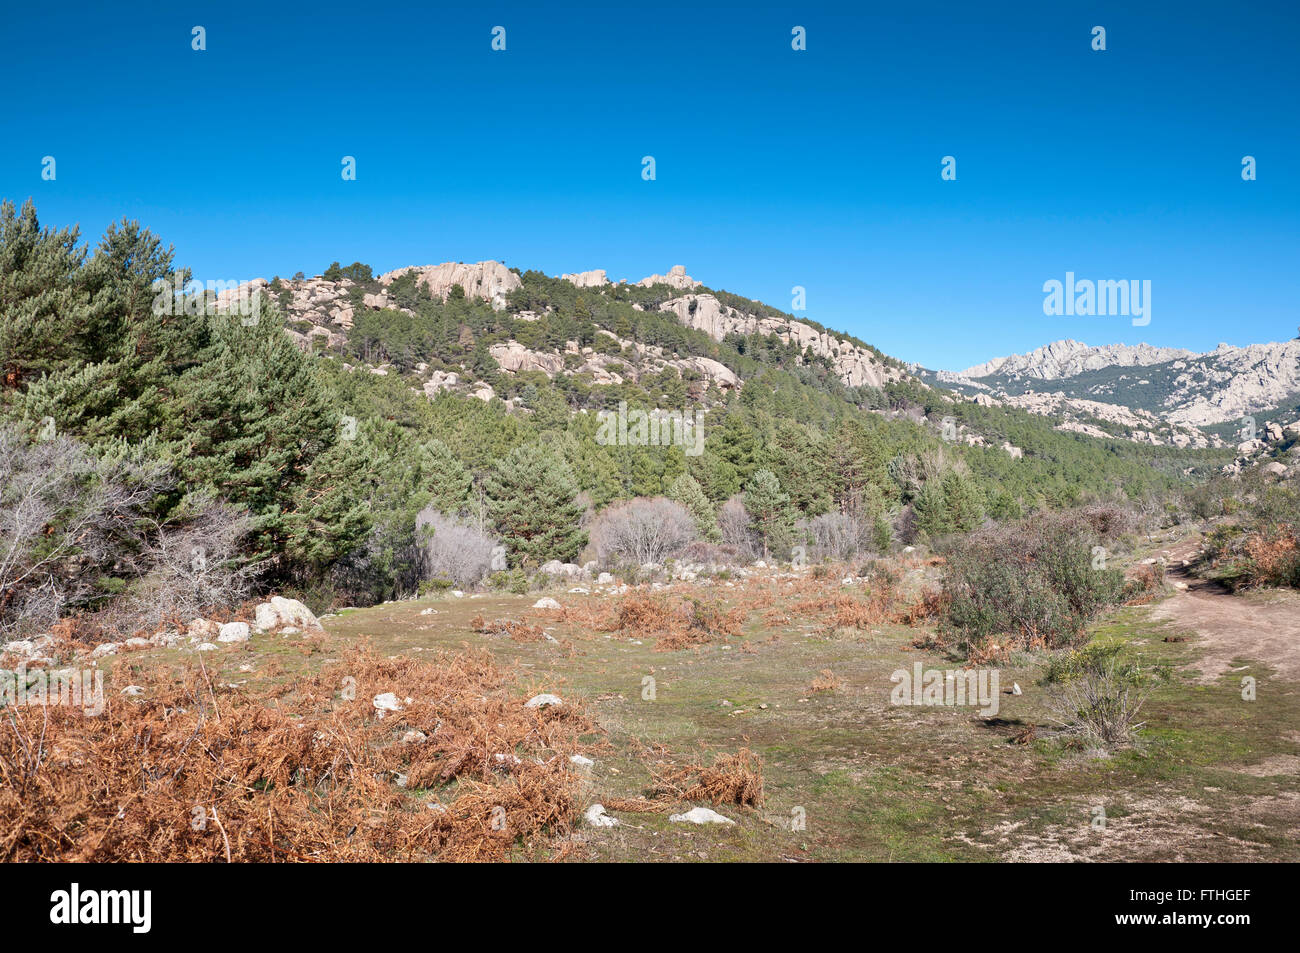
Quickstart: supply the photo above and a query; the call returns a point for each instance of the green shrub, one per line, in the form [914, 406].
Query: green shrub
[1027, 585]
[1097, 693]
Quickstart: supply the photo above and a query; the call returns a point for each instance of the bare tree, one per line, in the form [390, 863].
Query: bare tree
[838, 536]
[736, 527]
[66, 520]
[193, 565]
[644, 530]
[453, 549]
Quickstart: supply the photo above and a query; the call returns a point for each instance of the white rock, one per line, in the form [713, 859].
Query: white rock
[201, 630]
[458, 594]
[700, 815]
[280, 611]
[604, 579]
[234, 632]
[386, 701]
[20, 648]
[596, 816]
[205, 647]
[581, 760]
[546, 602]
[1015, 689]
[541, 701]
[414, 737]
[108, 648]
[135, 691]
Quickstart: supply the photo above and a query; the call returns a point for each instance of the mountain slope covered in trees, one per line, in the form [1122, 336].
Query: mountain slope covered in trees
[326, 427]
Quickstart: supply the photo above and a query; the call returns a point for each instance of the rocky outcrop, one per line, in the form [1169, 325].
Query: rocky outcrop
[1078, 416]
[588, 279]
[676, 277]
[489, 280]
[856, 366]
[514, 357]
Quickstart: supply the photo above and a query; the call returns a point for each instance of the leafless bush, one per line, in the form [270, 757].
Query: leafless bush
[642, 531]
[194, 566]
[839, 536]
[737, 528]
[68, 521]
[451, 549]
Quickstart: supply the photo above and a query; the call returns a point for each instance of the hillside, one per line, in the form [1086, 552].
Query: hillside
[308, 437]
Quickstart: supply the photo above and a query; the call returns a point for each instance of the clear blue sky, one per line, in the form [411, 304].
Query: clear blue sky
[775, 168]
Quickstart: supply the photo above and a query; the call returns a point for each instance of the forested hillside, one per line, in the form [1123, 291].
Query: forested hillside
[301, 452]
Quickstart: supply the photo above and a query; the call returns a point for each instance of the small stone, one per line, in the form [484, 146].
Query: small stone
[234, 632]
[596, 816]
[546, 602]
[386, 701]
[543, 700]
[700, 815]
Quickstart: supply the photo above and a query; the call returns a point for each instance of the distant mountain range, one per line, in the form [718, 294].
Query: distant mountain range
[1169, 387]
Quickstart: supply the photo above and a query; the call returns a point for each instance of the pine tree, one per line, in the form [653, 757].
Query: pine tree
[769, 507]
[964, 502]
[445, 478]
[44, 312]
[249, 419]
[931, 510]
[532, 500]
[688, 493]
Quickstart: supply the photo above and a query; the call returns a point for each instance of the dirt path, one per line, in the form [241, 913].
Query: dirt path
[1264, 627]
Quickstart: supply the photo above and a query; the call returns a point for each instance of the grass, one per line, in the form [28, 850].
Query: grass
[872, 781]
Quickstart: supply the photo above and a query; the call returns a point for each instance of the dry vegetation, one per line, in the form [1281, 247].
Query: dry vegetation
[195, 771]
[675, 622]
[730, 779]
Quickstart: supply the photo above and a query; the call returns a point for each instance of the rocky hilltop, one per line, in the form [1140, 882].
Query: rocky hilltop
[1068, 358]
[325, 309]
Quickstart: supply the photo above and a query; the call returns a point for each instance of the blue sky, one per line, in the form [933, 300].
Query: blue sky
[775, 168]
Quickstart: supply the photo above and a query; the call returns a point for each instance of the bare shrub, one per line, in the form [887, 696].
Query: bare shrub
[736, 527]
[640, 531]
[69, 526]
[452, 549]
[711, 554]
[194, 567]
[838, 536]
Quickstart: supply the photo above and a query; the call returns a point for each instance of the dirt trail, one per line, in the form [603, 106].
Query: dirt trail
[1264, 626]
